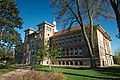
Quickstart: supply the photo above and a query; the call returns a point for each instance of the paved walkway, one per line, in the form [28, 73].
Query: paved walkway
[17, 72]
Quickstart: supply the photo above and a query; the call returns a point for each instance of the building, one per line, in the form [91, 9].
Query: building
[19, 54]
[75, 51]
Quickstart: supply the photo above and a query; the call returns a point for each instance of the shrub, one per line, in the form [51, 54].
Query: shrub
[32, 75]
[116, 59]
[56, 76]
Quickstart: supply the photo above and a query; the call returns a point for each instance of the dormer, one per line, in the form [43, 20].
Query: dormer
[29, 31]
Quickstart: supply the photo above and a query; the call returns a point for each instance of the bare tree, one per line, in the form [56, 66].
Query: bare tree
[81, 12]
[117, 52]
[96, 9]
[116, 7]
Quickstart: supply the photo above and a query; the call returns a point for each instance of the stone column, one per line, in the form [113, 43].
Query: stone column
[57, 63]
[73, 62]
[78, 63]
[69, 62]
[61, 62]
[65, 62]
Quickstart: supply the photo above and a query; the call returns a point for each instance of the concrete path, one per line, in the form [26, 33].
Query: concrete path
[17, 72]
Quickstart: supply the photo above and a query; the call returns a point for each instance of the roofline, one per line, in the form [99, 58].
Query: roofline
[22, 44]
[45, 23]
[29, 29]
[104, 32]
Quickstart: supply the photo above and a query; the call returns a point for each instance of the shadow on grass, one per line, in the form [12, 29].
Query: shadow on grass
[113, 71]
[86, 76]
[3, 67]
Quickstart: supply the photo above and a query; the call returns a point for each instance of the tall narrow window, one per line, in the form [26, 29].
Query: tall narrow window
[70, 39]
[75, 38]
[71, 51]
[79, 37]
[63, 52]
[59, 41]
[66, 40]
[81, 63]
[76, 52]
[62, 41]
[67, 51]
[80, 51]
[56, 42]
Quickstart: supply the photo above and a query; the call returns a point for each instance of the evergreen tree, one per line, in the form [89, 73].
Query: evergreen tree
[9, 19]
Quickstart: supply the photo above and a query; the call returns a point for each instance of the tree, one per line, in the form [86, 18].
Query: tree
[3, 57]
[82, 11]
[117, 52]
[49, 52]
[116, 7]
[9, 19]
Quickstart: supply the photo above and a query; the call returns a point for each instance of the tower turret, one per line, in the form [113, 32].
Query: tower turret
[54, 23]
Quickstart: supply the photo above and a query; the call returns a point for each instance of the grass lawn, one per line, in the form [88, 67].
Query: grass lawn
[111, 73]
[7, 68]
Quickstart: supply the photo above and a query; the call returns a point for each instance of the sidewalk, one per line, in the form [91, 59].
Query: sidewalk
[9, 75]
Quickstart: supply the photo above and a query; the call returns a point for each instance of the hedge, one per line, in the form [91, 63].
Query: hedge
[116, 59]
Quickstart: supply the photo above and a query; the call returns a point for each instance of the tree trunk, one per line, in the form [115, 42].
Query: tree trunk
[116, 8]
[92, 64]
[50, 65]
[92, 39]
[80, 21]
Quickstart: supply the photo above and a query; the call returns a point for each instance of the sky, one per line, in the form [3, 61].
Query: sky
[38, 11]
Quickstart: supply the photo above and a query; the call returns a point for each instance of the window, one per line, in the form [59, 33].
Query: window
[76, 52]
[47, 62]
[59, 41]
[56, 42]
[33, 52]
[62, 41]
[59, 53]
[81, 62]
[67, 51]
[79, 37]
[66, 40]
[41, 28]
[71, 51]
[80, 51]
[75, 38]
[48, 34]
[70, 39]
[26, 39]
[63, 52]
[47, 28]
[40, 34]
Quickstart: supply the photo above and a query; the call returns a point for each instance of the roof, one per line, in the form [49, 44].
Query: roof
[104, 32]
[45, 23]
[67, 30]
[30, 29]
[76, 28]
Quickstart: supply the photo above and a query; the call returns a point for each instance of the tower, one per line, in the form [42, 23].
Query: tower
[46, 30]
[54, 23]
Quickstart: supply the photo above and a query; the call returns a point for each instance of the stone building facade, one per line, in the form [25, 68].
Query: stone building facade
[75, 51]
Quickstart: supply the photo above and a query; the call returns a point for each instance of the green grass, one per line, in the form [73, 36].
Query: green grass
[110, 73]
[7, 68]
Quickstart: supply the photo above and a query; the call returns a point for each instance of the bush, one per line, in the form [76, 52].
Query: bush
[56, 76]
[32, 75]
[116, 59]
